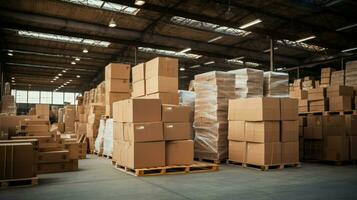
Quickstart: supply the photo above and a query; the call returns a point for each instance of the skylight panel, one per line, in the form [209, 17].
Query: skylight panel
[302, 45]
[61, 38]
[209, 26]
[169, 53]
[106, 6]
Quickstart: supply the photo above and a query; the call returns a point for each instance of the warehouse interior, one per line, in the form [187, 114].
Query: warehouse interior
[132, 98]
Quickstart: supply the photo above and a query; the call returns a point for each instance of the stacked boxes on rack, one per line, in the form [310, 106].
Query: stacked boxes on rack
[213, 89]
[351, 74]
[340, 98]
[69, 118]
[338, 78]
[116, 85]
[95, 113]
[308, 83]
[326, 76]
[317, 100]
[263, 131]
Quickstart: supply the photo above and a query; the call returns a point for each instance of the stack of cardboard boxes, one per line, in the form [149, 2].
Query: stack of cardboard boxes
[116, 85]
[297, 92]
[213, 89]
[338, 78]
[326, 76]
[94, 115]
[8, 104]
[308, 83]
[34, 127]
[81, 119]
[263, 131]
[340, 98]
[43, 111]
[69, 118]
[157, 79]
[351, 74]
[317, 100]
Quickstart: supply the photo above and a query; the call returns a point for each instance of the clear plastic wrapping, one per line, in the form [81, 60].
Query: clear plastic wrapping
[108, 138]
[7, 89]
[98, 144]
[213, 89]
[248, 82]
[276, 84]
[187, 98]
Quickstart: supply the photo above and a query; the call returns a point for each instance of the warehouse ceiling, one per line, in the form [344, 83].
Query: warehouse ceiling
[41, 39]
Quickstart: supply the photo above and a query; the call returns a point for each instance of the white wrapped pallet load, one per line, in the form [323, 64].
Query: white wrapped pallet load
[187, 98]
[98, 144]
[276, 84]
[248, 82]
[108, 138]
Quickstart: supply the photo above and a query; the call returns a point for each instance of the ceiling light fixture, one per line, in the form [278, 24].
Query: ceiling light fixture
[347, 50]
[185, 50]
[13, 81]
[305, 39]
[56, 77]
[77, 59]
[73, 63]
[70, 80]
[139, 2]
[208, 63]
[64, 83]
[112, 23]
[78, 76]
[51, 81]
[215, 39]
[12, 77]
[60, 74]
[64, 71]
[85, 50]
[346, 27]
[182, 69]
[195, 66]
[268, 50]
[10, 54]
[252, 23]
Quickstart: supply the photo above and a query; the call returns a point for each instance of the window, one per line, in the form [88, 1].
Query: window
[34, 97]
[69, 97]
[46, 97]
[57, 98]
[21, 96]
[13, 92]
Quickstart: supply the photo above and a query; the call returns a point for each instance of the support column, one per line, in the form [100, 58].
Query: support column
[271, 54]
[298, 72]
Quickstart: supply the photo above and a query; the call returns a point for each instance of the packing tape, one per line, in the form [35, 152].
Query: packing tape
[140, 127]
[169, 126]
[168, 108]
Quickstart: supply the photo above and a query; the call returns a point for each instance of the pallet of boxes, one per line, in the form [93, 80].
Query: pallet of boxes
[263, 132]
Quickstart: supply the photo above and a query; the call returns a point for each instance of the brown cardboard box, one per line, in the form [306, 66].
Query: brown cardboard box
[94, 118]
[138, 72]
[339, 90]
[117, 85]
[311, 132]
[254, 109]
[263, 132]
[37, 128]
[289, 109]
[351, 124]
[316, 94]
[313, 149]
[111, 97]
[161, 84]
[236, 130]
[165, 97]
[92, 130]
[298, 94]
[290, 152]
[340, 103]
[138, 89]
[318, 105]
[81, 128]
[353, 147]
[302, 121]
[141, 154]
[142, 132]
[53, 156]
[118, 131]
[176, 113]
[161, 66]
[237, 151]
[137, 110]
[336, 148]
[178, 131]
[314, 120]
[334, 125]
[264, 153]
[60, 127]
[74, 150]
[43, 111]
[117, 71]
[179, 152]
[17, 161]
[290, 131]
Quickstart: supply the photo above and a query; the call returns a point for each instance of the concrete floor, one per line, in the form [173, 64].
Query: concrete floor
[97, 179]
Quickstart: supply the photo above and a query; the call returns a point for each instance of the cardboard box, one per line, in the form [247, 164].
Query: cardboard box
[351, 124]
[254, 109]
[340, 103]
[142, 132]
[60, 127]
[111, 97]
[316, 94]
[141, 154]
[117, 85]
[118, 131]
[289, 109]
[179, 152]
[290, 152]
[37, 128]
[311, 132]
[237, 151]
[318, 105]
[117, 71]
[53, 156]
[263, 153]
[137, 110]
[340, 90]
[290, 131]
[161, 66]
[298, 94]
[314, 120]
[334, 125]
[138, 72]
[353, 147]
[92, 130]
[166, 98]
[262, 132]
[138, 89]
[161, 84]
[176, 113]
[43, 111]
[178, 131]
[313, 149]
[236, 130]
[336, 148]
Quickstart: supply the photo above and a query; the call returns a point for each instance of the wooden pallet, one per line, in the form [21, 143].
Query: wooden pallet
[340, 112]
[210, 160]
[106, 156]
[329, 113]
[231, 162]
[264, 167]
[22, 182]
[197, 167]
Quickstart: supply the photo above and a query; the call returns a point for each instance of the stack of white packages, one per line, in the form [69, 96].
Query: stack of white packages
[248, 82]
[276, 84]
[187, 98]
[351, 74]
[108, 138]
[98, 144]
[213, 89]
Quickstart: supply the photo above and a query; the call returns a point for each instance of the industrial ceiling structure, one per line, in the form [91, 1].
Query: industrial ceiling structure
[65, 44]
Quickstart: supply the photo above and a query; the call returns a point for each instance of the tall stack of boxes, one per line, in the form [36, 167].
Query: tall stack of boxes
[326, 76]
[296, 91]
[43, 111]
[94, 116]
[263, 131]
[213, 89]
[308, 83]
[8, 104]
[338, 78]
[351, 74]
[69, 118]
[81, 120]
[317, 100]
[340, 98]
[116, 85]
[138, 79]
